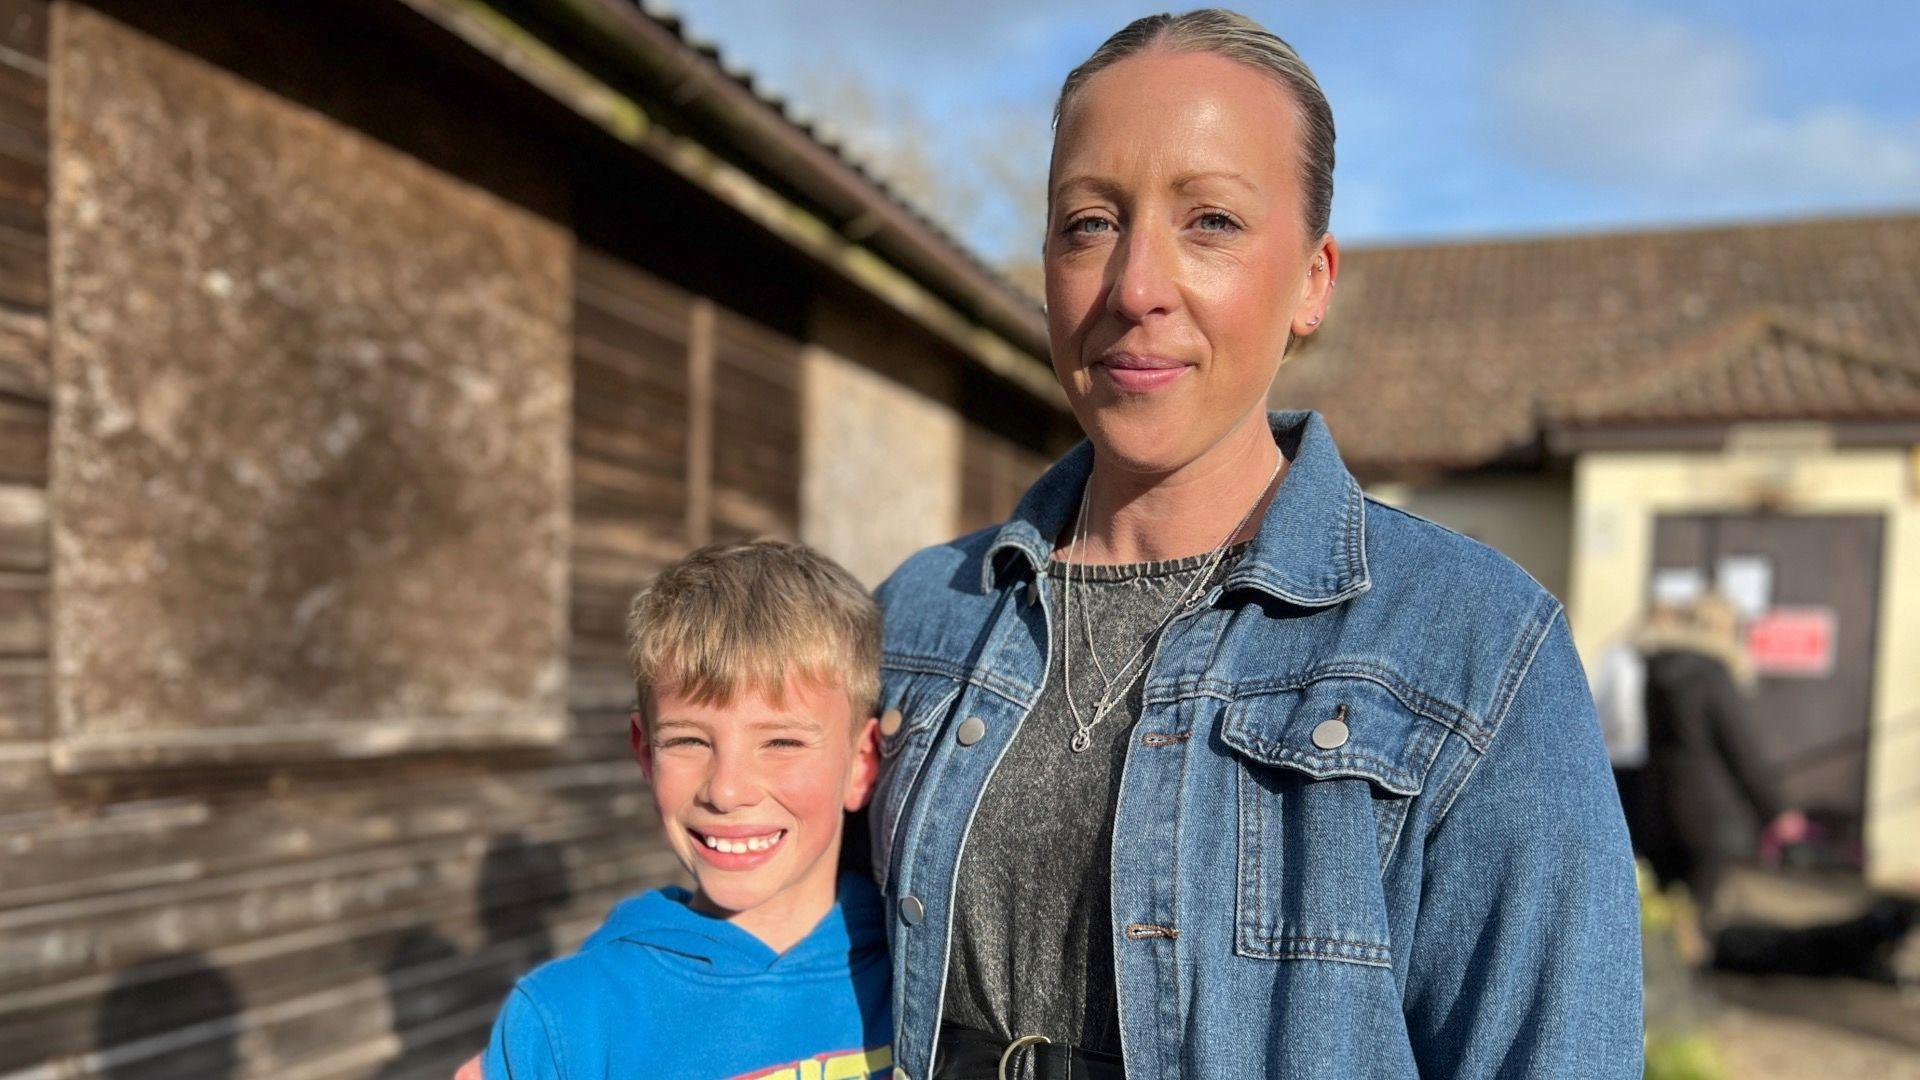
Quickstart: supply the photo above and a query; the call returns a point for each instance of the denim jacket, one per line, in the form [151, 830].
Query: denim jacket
[1365, 827]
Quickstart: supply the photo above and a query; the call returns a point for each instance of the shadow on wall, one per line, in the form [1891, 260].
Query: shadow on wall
[441, 999]
[169, 997]
[521, 884]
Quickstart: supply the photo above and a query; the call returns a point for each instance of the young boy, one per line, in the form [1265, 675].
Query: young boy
[757, 666]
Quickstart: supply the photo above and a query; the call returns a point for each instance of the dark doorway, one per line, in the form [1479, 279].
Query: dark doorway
[1814, 725]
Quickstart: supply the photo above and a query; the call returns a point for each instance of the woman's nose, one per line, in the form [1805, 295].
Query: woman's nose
[1145, 275]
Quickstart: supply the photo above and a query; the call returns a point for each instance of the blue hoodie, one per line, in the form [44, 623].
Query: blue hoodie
[661, 990]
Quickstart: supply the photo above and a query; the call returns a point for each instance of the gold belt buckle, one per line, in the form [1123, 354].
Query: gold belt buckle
[1014, 1046]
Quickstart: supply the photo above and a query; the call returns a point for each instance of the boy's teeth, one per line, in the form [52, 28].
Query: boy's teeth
[742, 846]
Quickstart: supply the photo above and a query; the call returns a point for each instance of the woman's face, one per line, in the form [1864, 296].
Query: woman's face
[1176, 255]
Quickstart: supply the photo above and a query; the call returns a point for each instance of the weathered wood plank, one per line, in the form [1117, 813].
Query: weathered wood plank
[23, 614]
[429, 962]
[23, 353]
[23, 700]
[26, 780]
[701, 361]
[23, 34]
[23, 440]
[23, 254]
[175, 840]
[49, 942]
[607, 686]
[655, 450]
[638, 355]
[609, 283]
[604, 489]
[23, 527]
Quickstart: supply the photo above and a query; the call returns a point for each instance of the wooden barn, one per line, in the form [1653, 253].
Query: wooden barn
[357, 363]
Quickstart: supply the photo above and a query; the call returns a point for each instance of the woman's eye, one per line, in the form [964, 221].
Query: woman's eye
[1088, 226]
[1216, 222]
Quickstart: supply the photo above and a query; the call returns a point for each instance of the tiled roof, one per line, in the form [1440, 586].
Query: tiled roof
[1764, 369]
[1453, 355]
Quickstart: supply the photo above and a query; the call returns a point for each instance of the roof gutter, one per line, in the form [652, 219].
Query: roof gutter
[876, 242]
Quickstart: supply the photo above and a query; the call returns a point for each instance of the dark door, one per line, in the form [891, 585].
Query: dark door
[1814, 725]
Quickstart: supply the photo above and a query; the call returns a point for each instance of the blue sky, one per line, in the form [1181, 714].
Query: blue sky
[1456, 119]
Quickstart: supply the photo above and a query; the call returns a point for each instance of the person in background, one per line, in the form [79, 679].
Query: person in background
[1620, 698]
[1712, 802]
[1710, 795]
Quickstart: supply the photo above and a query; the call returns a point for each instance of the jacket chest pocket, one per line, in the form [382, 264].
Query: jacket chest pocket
[913, 705]
[1328, 770]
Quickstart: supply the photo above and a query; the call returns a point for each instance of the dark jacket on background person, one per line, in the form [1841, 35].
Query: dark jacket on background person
[1708, 788]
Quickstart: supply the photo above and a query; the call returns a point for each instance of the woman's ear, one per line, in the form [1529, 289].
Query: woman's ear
[1323, 266]
[864, 770]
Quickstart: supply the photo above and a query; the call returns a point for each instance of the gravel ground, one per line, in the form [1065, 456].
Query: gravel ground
[1766, 1046]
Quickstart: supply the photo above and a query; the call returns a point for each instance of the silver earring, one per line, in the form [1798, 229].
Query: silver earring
[1315, 321]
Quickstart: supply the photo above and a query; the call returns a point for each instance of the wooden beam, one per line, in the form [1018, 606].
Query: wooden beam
[700, 361]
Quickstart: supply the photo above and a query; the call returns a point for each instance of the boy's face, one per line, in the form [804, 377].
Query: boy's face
[752, 797]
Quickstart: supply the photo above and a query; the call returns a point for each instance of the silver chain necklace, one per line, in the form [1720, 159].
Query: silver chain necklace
[1115, 687]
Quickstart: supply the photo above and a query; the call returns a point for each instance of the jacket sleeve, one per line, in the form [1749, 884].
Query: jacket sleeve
[1525, 956]
[1736, 740]
[524, 1046]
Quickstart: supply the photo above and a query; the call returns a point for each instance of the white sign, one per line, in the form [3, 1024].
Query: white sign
[1747, 582]
[1678, 587]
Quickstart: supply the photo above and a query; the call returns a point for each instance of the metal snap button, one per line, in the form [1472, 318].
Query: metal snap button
[972, 730]
[1330, 735]
[1033, 590]
[890, 722]
[912, 910]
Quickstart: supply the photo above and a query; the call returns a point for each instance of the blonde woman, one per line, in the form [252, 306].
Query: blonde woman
[1204, 764]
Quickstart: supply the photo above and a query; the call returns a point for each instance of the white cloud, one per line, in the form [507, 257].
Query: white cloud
[1632, 99]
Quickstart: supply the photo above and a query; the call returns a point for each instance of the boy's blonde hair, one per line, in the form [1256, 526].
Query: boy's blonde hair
[742, 616]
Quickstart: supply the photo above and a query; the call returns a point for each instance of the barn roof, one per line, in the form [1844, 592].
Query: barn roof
[635, 74]
[1462, 355]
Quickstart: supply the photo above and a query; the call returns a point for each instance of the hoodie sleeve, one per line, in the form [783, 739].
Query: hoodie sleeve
[524, 1045]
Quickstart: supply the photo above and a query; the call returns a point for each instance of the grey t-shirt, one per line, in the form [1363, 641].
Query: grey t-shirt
[1033, 929]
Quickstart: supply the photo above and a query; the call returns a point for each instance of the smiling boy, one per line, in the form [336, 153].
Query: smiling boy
[757, 672]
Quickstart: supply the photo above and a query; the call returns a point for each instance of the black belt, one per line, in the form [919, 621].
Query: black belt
[965, 1054]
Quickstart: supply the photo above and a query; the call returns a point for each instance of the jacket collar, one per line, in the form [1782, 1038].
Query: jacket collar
[1311, 549]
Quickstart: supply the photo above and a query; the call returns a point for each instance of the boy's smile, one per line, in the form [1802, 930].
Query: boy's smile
[736, 847]
[752, 794]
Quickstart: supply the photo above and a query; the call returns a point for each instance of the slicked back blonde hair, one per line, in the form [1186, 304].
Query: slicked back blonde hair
[736, 618]
[1236, 37]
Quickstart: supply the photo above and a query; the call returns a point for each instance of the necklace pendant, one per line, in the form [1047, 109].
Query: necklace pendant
[1082, 739]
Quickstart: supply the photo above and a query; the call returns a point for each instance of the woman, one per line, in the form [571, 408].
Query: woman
[1203, 764]
[1708, 785]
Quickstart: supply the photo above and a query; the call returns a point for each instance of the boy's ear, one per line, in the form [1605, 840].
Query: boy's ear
[866, 764]
[642, 749]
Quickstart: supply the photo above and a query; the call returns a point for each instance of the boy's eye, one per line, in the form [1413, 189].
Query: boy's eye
[680, 741]
[785, 744]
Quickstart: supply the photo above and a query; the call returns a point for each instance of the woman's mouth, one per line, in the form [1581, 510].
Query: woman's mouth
[1134, 374]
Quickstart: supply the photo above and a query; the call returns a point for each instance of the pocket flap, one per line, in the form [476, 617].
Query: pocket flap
[1336, 726]
[921, 699]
